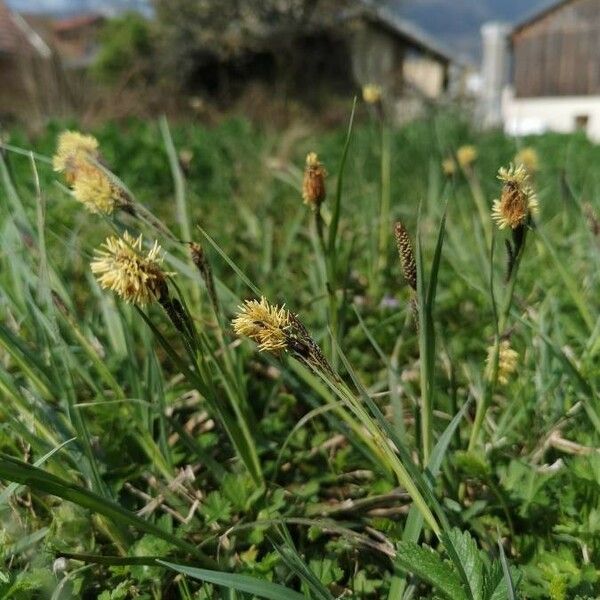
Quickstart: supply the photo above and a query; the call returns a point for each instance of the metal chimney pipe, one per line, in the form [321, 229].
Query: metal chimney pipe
[494, 71]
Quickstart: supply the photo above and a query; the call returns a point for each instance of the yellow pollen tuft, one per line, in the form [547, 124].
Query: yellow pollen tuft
[94, 189]
[517, 201]
[449, 166]
[528, 157]
[71, 149]
[507, 362]
[372, 93]
[466, 156]
[120, 266]
[266, 324]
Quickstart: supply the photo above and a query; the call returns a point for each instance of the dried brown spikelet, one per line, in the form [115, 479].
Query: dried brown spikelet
[201, 262]
[313, 184]
[518, 199]
[305, 349]
[177, 314]
[407, 255]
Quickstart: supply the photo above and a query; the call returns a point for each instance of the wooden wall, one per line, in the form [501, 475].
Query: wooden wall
[559, 54]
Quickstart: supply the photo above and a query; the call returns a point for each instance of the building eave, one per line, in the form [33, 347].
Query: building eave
[538, 14]
[386, 18]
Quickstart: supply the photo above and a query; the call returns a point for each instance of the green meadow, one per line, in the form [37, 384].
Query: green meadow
[389, 448]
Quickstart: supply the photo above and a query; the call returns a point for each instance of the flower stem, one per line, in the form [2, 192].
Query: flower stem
[501, 323]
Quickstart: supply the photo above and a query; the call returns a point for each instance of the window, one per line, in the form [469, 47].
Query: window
[581, 122]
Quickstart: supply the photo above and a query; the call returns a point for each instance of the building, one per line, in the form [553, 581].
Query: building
[411, 67]
[336, 55]
[43, 61]
[76, 39]
[310, 61]
[544, 73]
[24, 58]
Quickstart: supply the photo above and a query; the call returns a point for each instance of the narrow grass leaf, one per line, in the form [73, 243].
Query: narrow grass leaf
[18, 471]
[337, 204]
[241, 583]
[510, 588]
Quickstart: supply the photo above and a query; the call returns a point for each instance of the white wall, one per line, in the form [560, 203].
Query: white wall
[524, 116]
[425, 74]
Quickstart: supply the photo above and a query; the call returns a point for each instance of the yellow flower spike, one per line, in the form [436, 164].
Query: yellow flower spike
[466, 156]
[449, 167]
[95, 190]
[518, 199]
[120, 266]
[72, 148]
[528, 157]
[372, 93]
[507, 362]
[266, 324]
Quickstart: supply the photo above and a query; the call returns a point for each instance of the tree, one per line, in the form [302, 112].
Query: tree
[126, 48]
[192, 32]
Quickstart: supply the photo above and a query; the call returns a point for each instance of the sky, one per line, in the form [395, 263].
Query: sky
[75, 6]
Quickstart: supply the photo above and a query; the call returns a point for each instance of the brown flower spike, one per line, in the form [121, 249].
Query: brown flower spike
[313, 185]
[201, 262]
[517, 201]
[407, 255]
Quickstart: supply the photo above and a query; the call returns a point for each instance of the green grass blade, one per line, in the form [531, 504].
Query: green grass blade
[414, 522]
[241, 583]
[14, 487]
[406, 470]
[337, 204]
[230, 262]
[571, 285]
[426, 298]
[18, 471]
[178, 180]
[109, 561]
[510, 588]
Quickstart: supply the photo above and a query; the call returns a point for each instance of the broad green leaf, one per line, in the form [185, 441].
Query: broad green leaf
[471, 561]
[429, 566]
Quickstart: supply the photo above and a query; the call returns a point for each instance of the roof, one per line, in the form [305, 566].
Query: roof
[387, 17]
[11, 37]
[76, 22]
[540, 13]
[17, 37]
